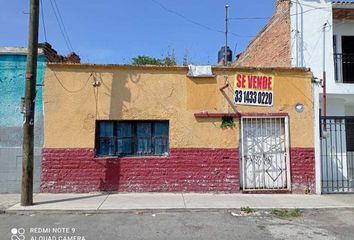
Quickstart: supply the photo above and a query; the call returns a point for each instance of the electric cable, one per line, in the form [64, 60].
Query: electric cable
[62, 23]
[71, 91]
[43, 21]
[195, 22]
[249, 18]
[60, 27]
[311, 6]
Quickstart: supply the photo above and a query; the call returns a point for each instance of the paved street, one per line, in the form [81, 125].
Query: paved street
[182, 224]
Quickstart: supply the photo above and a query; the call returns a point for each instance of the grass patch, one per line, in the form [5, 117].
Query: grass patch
[295, 213]
[285, 213]
[246, 209]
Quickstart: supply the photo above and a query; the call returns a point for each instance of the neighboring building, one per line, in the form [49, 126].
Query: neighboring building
[157, 129]
[272, 45]
[12, 85]
[317, 34]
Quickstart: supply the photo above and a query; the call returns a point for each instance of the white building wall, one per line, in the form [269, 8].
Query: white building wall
[310, 50]
[336, 107]
[308, 46]
[307, 20]
[342, 28]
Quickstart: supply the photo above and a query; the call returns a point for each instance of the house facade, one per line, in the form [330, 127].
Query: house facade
[12, 83]
[164, 129]
[318, 35]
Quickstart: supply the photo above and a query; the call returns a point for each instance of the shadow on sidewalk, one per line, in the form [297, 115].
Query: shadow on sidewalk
[70, 199]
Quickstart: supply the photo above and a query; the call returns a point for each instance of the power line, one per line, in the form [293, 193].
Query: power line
[43, 21]
[195, 22]
[295, 2]
[310, 10]
[311, 6]
[185, 18]
[64, 28]
[250, 18]
[241, 36]
[72, 91]
[60, 27]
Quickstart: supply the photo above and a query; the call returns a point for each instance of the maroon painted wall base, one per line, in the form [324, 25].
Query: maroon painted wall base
[185, 170]
[302, 161]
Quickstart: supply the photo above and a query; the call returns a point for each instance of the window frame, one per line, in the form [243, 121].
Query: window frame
[134, 139]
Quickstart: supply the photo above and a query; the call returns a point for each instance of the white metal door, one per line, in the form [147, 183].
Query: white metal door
[265, 153]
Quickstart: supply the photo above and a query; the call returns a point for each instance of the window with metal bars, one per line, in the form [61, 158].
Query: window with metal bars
[132, 138]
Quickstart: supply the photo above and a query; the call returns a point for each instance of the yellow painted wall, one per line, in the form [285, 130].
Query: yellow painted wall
[72, 104]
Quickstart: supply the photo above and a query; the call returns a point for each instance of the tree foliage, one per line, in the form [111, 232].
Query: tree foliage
[168, 60]
[146, 60]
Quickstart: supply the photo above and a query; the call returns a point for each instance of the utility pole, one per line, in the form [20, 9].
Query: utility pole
[226, 33]
[29, 106]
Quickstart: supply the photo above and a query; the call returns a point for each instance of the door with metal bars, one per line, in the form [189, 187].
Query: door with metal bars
[337, 155]
[265, 153]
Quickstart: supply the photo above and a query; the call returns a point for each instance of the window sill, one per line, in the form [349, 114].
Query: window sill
[130, 157]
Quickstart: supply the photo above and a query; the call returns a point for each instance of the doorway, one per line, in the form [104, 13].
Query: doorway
[265, 153]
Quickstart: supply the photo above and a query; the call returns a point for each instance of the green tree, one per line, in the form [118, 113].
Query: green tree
[169, 60]
[146, 60]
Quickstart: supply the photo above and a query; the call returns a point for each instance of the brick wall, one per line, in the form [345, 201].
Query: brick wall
[272, 45]
[303, 170]
[51, 55]
[185, 170]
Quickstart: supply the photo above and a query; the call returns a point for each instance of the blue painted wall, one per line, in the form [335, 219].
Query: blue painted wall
[12, 87]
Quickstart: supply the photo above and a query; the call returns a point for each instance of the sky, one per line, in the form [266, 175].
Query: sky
[114, 31]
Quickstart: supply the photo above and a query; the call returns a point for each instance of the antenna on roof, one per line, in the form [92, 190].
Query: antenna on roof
[226, 32]
[225, 53]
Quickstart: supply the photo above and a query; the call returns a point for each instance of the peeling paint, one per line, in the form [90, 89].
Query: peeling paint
[12, 85]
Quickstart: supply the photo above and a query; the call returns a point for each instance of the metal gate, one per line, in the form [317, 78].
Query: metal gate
[265, 153]
[337, 155]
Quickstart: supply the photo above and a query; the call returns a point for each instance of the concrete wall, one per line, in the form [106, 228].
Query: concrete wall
[12, 85]
[158, 93]
[203, 156]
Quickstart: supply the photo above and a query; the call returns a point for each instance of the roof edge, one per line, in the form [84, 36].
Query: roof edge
[17, 50]
[343, 5]
[173, 68]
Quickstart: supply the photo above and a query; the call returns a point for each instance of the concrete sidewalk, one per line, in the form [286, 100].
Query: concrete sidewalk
[8, 200]
[173, 201]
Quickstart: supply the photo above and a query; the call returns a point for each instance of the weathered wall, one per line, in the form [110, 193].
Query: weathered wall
[11, 169]
[203, 157]
[272, 45]
[185, 170]
[12, 85]
[162, 94]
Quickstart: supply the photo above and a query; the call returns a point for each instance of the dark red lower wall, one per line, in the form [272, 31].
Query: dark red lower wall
[303, 170]
[185, 170]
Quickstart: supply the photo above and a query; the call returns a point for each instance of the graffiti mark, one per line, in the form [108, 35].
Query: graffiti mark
[260, 159]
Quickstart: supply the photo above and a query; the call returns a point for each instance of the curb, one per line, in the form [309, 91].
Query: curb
[167, 210]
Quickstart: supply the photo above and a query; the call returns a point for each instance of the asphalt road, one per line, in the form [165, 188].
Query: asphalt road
[223, 224]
